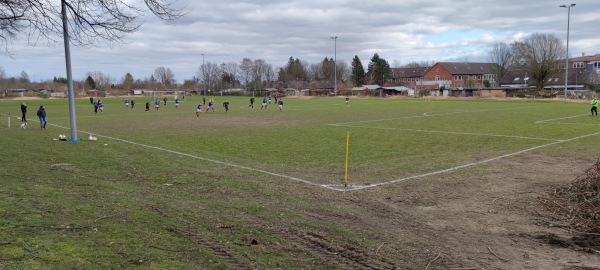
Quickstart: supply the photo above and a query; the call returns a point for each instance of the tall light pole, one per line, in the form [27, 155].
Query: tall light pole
[567, 56]
[203, 77]
[334, 66]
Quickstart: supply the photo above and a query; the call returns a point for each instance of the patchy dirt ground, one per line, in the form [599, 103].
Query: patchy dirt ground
[491, 219]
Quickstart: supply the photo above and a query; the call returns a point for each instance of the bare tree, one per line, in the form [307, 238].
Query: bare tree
[231, 69]
[246, 71]
[164, 76]
[502, 55]
[343, 70]
[24, 77]
[539, 55]
[103, 81]
[2, 73]
[41, 20]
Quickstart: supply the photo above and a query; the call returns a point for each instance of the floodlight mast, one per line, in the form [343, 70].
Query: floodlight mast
[203, 77]
[70, 90]
[334, 66]
[567, 56]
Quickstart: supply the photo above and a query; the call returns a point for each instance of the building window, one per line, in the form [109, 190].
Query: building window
[458, 77]
[578, 65]
[479, 77]
[437, 78]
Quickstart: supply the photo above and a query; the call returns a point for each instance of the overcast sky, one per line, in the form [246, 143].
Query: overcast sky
[400, 31]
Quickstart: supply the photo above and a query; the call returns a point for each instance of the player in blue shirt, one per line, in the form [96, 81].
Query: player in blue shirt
[269, 99]
[126, 103]
[157, 104]
[100, 105]
[199, 109]
[210, 105]
[280, 103]
[264, 103]
[347, 99]
[176, 103]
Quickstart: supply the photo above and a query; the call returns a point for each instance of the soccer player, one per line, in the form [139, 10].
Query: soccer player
[347, 99]
[280, 103]
[96, 107]
[594, 106]
[226, 105]
[176, 103]
[132, 103]
[199, 110]
[92, 100]
[251, 102]
[269, 99]
[165, 100]
[264, 103]
[126, 103]
[210, 105]
[157, 104]
[100, 105]
[147, 105]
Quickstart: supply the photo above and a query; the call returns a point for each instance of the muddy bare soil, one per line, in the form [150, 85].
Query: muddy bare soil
[489, 218]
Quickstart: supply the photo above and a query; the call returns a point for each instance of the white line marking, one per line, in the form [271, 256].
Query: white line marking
[474, 163]
[448, 132]
[568, 117]
[338, 187]
[429, 114]
[207, 159]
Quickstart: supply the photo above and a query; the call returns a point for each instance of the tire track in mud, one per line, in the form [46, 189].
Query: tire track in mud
[340, 256]
[226, 255]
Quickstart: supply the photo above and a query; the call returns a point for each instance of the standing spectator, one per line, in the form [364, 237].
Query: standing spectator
[41, 113]
[594, 106]
[203, 100]
[226, 105]
[23, 112]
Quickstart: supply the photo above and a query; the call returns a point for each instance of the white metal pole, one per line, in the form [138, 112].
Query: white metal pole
[567, 55]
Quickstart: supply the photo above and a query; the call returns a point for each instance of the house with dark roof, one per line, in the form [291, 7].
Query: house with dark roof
[408, 77]
[589, 63]
[579, 79]
[458, 78]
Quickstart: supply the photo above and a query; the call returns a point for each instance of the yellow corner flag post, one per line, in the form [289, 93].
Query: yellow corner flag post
[347, 143]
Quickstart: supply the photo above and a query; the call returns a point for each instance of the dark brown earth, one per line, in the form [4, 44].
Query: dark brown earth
[488, 219]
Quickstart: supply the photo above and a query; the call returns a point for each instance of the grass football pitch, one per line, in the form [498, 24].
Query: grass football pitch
[130, 197]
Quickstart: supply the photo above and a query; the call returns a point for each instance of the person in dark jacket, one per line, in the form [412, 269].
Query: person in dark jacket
[41, 113]
[24, 112]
